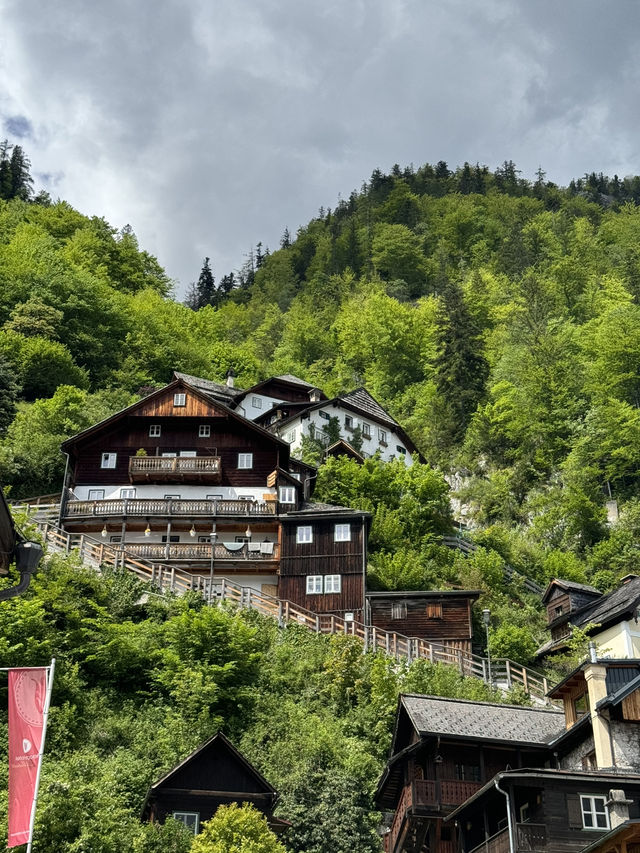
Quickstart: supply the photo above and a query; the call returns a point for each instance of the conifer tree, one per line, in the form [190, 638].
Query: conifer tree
[202, 292]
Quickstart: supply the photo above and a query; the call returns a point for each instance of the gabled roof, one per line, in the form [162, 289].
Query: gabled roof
[217, 390]
[569, 586]
[167, 389]
[362, 399]
[295, 380]
[309, 509]
[615, 698]
[485, 721]
[343, 448]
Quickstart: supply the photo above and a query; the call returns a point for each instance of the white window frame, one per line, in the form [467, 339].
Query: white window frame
[382, 436]
[155, 430]
[324, 415]
[304, 534]
[109, 460]
[332, 584]
[256, 402]
[349, 422]
[180, 400]
[287, 495]
[366, 430]
[245, 461]
[588, 809]
[125, 494]
[180, 816]
[398, 609]
[204, 431]
[342, 532]
[314, 584]
[95, 495]
[291, 436]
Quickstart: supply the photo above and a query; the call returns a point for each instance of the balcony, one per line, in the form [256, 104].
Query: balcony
[174, 469]
[425, 796]
[151, 507]
[530, 838]
[196, 552]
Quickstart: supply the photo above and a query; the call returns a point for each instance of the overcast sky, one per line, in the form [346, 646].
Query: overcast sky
[210, 125]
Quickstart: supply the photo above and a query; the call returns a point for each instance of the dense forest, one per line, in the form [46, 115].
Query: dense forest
[497, 318]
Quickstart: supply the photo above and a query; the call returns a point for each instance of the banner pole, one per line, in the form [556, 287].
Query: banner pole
[45, 717]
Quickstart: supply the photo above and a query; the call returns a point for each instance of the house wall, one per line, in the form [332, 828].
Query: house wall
[619, 641]
[573, 759]
[369, 445]
[455, 623]
[186, 491]
[251, 411]
[626, 744]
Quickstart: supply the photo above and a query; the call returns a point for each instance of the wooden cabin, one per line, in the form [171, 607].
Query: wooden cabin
[215, 774]
[438, 616]
[443, 752]
[544, 809]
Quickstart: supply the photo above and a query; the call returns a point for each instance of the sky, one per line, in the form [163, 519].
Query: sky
[211, 125]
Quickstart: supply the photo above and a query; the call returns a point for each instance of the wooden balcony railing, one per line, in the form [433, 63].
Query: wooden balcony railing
[174, 468]
[530, 838]
[147, 507]
[201, 552]
[438, 795]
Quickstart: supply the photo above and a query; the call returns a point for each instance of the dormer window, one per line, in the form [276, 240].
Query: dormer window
[558, 611]
[256, 402]
[154, 430]
[179, 399]
[204, 431]
[108, 460]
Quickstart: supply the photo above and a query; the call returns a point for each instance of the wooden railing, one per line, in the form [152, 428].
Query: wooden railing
[529, 837]
[158, 507]
[467, 547]
[398, 821]
[505, 673]
[198, 551]
[147, 466]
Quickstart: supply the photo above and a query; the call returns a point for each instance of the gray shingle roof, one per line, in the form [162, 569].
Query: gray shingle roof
[289, 377]
[364, 401]
[612, 606]
[208, 386]
[484, 720]
[311, 508]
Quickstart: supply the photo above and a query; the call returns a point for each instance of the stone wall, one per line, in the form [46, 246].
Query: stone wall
[626, 744]
[573, 760]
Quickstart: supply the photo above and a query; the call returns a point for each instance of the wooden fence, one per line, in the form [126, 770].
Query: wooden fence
[503, 673]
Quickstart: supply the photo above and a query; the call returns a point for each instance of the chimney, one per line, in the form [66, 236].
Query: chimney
[618, 806]
[230, 374]
[596, 676]
[314, 395]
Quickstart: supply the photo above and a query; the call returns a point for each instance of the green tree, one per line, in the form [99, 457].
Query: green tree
[236, 829]
[203, 292]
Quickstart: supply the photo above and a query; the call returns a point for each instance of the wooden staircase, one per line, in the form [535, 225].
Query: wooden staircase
[503, 674]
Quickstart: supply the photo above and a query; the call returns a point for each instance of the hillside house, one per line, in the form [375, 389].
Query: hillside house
[215, 774]
[440, 616]
[180, 477]
[615, 616]
[475, 776]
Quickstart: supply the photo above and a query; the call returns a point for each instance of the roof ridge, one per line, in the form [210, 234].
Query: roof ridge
[481, 702]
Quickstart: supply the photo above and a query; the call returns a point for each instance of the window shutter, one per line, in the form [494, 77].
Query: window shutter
[574, 811]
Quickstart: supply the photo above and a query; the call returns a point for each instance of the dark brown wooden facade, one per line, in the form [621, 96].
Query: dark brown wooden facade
[437, 616]
[215, 774]
[322, 557]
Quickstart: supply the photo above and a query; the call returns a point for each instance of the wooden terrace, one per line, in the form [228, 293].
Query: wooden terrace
[150, 508]
[174, 469]
[530, 837]
[264, 552]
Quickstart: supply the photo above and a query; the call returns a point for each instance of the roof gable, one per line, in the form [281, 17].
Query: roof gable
[216, 765]
[559, 586]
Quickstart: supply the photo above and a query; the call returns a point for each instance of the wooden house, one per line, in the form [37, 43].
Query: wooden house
[443, 752]
[439, 616]
[544, 809]
[182, 478]
[614, 616]
[215, 774]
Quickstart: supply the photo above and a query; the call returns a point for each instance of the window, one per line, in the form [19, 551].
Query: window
[468, 772]
[594, 812]
[287, 495]
[332, 583]
[366, 430]
[190, 819]
[115, 539]
[434, 610]
[256, 402]
[304, 534]
[314, 584]
[190, 453]
[324, 415]
[172, 497]
[349, 423]
[179, 399]
[401, 450]
[96, 494]
[127, 494]
[581, 705]
[589, 761]
[204, 431]
[290, 436]
[342, 533]
[382, 436]
[171, 539]
[525, 813]
[559, 611]
[245, 460]
[154, 430]
[399, 610]
[109, 460]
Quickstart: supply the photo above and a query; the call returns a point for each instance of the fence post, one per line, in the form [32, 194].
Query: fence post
[460, 662]
[545, 687]
[525, 680]
[101, 558]
[408, 651]
[333, 624]
[67, 546]
[387, 641]
[508, 668]
[484, 670]
[280, 620]
[374, 638]
[173, 578]
[286, 611]
[317, 624]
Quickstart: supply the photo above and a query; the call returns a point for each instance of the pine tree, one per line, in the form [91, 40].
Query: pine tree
[21, 180]
[202, 292]
[9, 390]
[285, 240]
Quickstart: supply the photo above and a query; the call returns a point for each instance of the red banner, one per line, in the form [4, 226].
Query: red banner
[27, 697]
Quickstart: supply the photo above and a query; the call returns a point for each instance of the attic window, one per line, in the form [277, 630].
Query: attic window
[558, 611]
[154, 430]
[434, 610]
[180, 400]
[108, 460]
[256, 402]
[399, 610]
[190, 819]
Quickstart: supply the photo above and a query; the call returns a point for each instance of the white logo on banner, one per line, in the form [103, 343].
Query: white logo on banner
[26, 745]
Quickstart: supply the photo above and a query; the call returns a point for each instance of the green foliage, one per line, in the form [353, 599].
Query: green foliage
[236, 829]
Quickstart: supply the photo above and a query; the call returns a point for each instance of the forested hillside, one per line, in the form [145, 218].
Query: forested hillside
[496, 318]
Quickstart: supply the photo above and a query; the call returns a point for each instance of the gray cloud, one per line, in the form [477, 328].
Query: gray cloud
[210, 126]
